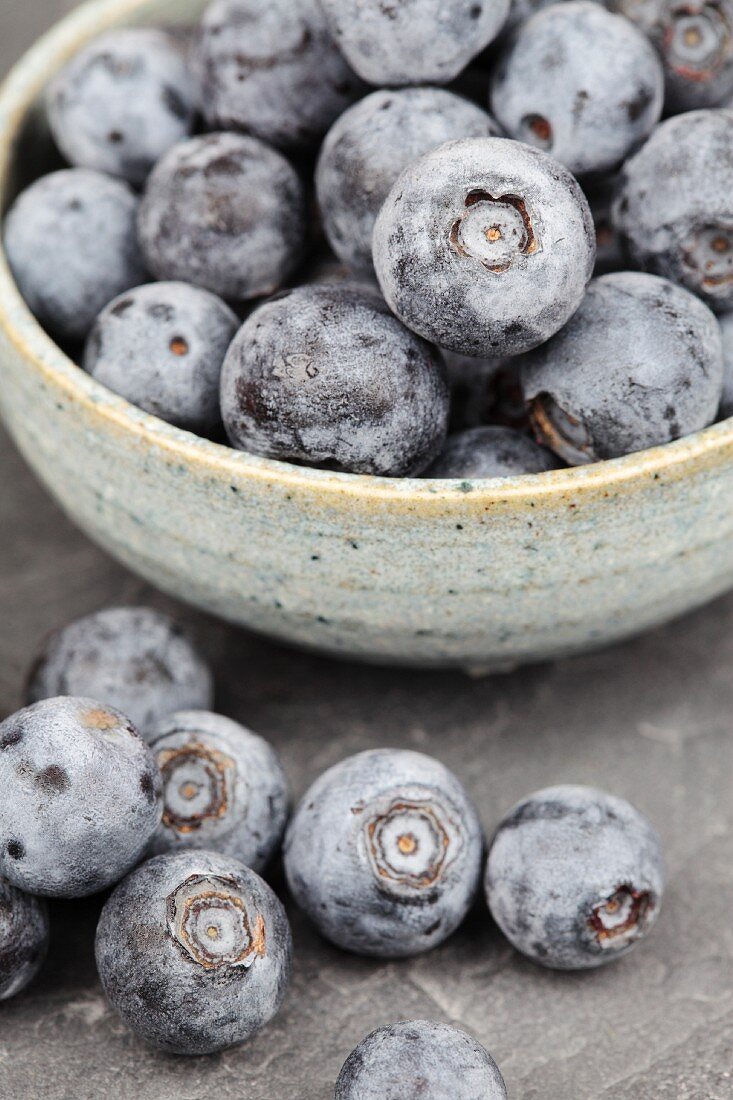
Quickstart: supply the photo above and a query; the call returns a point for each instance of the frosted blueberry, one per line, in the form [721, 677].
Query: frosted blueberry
[23, 938]
[367, 148]
[726, 328]
[640, 364]
[194, 952]
[71, 243]
[326, 374]
[224, 212]
[484, 246]
[81, 797]
[416, 1059]
[384, 853]
[162, 346]
[413, 41]
[674, 204]
[223, 788]
[122, 102]
[580, 83]
[134, 658]
[695, 41]
[272, 69]
[491, 451]
[574, 877]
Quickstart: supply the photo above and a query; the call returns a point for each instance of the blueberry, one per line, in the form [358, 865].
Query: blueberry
[574, 877]
[162, 346]
[326, 374]
[675, 204]
[134, 658]
[640, 364]
[580, 83]
[23, 938]
[223, 788]
[224, 212]
[492, 451]
[81, 797]
[417, 1059]
[413, 41]
[484, 246]
[695, 42]
[726, 328]
[71, 244]
[273, 70]
[370, 145]
[384, 853]
[122, 102]
[194, 952]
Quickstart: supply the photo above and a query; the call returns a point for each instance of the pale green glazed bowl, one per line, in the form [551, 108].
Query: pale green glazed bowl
[483, 574]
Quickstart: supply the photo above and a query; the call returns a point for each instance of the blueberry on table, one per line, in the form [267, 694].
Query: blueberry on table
[419, 1060]
[225, 212]
[223, 788]
[272, 69]
[161, 346]
[368, 147]
[726, 328]
[134, 658]
[413, 41]
[81, 797]
[326, 375]
[640, 364]
[194, 951]
[695, 42]
[581, 84]
[23, 938]
[674, 204]
[484, 246]
[384, 853]
[122, 102]
[574, 877]
[71, 243]
[491, 451]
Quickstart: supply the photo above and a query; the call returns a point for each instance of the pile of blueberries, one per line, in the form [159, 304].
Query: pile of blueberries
[459, 291]
[181, 810]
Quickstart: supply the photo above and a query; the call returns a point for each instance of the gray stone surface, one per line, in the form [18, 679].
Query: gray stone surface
[651, 721]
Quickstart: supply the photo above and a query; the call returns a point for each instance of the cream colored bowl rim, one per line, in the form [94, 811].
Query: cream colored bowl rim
[20, 90]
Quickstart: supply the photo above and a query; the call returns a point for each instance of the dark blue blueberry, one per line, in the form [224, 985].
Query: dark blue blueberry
[81, 797]
[574, 877]
[225, 212]
[23, 938]
[419, 1060]
[580, 83]
[326, 375]
[162, 346]
[484, 246]
[384, 853]
[134, 658]
[223, 788]
[71, 243]
[272, 70]
[640, 364]
[194, 952]
[370, 145]
[491, 451]
[122, 102]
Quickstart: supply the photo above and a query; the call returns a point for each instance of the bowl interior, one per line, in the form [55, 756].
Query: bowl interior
[27, 151]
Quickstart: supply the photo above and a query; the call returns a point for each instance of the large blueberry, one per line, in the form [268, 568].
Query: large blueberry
[23, 938]
[194, 952]
[384, 853]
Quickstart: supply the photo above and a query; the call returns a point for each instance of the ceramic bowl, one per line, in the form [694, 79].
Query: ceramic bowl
[478, 574]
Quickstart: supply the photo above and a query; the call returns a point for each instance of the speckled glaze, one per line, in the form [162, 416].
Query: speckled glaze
[482, 574]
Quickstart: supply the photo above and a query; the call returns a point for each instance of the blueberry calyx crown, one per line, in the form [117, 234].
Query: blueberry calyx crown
[696, 39]
[618, 920]
[197, 781]
[210, 921]
[495, 229]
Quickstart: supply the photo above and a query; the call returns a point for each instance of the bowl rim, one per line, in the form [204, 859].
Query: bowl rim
[20, 90]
